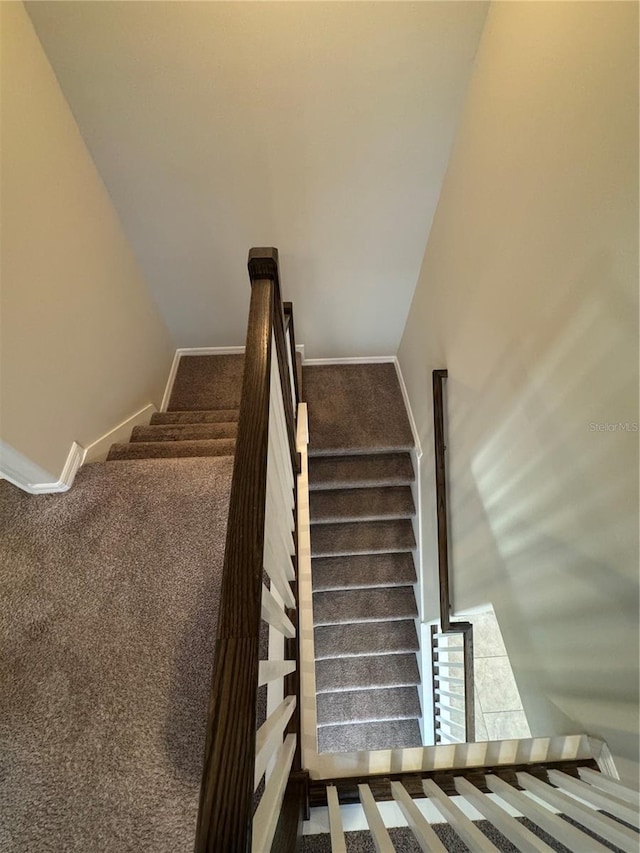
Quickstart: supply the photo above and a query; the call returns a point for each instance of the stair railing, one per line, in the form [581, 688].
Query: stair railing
[261, 537]
[452, 644]
[560, 787]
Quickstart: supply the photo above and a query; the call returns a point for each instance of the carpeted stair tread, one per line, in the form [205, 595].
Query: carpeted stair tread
[183, 432]
[355, 408]
[207, 382]
[209, 416]
[365, 537]
[171, 449]
[368, 706]
[365, 638]
[364, 605]
[361, 471]
[341, 505]
[362, 673]
[363, 571]
[358, 737]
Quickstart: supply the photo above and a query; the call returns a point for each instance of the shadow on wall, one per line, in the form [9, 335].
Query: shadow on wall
[544, 506]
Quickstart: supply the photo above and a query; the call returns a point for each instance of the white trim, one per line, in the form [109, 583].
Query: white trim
[192, 351]
[364, 359]
[407, 405]
[31, 478]
[170, 380]
[210, 351]
[603, 757]
[308, 711]
[448, 756]
[97, 451]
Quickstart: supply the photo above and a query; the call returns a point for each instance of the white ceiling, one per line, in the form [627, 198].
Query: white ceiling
[320, 128]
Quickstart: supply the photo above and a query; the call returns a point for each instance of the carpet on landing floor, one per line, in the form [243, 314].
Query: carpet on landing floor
[355, 408]
[108, 609]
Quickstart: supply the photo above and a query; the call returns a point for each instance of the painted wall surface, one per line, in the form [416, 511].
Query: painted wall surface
[528, 294]
[321, 128]
[82, 343]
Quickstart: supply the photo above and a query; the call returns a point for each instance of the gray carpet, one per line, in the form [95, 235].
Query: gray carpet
[367, 537]
[361, 737]
[404, 841]
[363, 706]
[355, 571]
[365, 638]
[171, 449]
[355, 408]
[361, 506]
[184, 432]
[108, 609]
[207, 382]
[193, 417]
[361, 673]
[342, 472]
[364, 605]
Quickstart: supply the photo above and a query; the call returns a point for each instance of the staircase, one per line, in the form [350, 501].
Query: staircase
[202, 415]
[361, 506]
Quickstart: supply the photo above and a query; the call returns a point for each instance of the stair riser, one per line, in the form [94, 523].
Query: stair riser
[363, 471]
[339, 674]
[366, 571]
[170, 450]
[184, 432]
[361, 505]
[369, 736]
[365, 639]
[208, 417]
[368, 706]
[376, 537]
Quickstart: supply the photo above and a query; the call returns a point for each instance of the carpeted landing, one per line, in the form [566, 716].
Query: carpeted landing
[108, 609]
[361, 506]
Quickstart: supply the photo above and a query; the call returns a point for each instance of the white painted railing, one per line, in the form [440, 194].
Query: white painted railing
[583, 800]
[452, 667]
[275, 749]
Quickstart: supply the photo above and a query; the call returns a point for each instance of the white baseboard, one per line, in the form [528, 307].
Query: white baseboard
[364, 359]
[97, 451]
[604, 758]
[31, 478]
[185, 351]
[407, 404]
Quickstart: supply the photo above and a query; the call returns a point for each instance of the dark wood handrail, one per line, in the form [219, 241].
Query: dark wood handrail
[263, 264]
[288, 313]
[226, 794]
[446, 625]
[441, 498]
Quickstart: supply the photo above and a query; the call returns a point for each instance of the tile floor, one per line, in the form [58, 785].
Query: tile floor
[499, 712]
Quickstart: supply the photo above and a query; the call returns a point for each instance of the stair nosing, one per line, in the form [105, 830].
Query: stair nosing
[364, 585]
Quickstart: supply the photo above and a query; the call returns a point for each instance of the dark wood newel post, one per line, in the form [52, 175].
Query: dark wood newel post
[263, 264]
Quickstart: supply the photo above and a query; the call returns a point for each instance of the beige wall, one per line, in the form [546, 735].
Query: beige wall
[528, 295]
[82, 344]
[321, 128]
